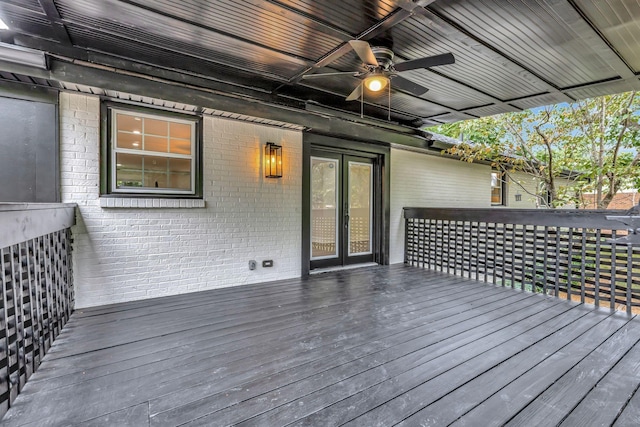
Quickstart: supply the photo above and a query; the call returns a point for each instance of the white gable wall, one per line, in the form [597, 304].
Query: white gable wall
[422, 180]
[123, 254]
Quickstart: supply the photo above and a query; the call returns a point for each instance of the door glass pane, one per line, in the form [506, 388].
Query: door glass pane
[324, 208]
[360, 184]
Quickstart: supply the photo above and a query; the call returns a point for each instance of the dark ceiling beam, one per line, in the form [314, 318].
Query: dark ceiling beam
[117, 80]
[199, 57]
[60, 31]
[322, 25]
[349, 115]
[428, 13]
[202, 27]
[142, 64]
[370, 109]
[607, 50]
[632, 82]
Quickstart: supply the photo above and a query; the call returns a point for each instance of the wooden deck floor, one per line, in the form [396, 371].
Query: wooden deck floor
[366, 347]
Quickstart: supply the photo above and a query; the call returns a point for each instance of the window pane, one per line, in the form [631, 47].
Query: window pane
[360, 208]
[324, 208]
[180, 146]
[127, 123]
[179, 174]
[180, 130]
[152, 163]
[155, 172]
[129, 140]
[156, 127]
[496, 195]
[180, 166]
[128, 170]
[155, 143]
[495, 182]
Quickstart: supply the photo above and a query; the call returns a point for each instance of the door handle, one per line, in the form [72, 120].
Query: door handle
[346, 221]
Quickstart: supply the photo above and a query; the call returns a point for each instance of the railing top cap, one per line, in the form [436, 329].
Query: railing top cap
[575, 218]
[7, 206]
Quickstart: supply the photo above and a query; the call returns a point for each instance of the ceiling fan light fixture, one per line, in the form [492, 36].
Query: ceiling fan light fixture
[376, 82]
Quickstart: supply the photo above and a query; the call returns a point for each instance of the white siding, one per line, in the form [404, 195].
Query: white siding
[525, 185]
[421, 180]
[125, 254]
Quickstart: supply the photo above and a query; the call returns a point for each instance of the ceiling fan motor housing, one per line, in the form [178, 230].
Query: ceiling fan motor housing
[384, 56]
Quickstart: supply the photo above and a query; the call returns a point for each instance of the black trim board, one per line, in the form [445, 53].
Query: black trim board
[139, 84]
[28, 92]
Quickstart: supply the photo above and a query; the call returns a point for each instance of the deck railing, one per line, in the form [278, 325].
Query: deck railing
[575, 254]
[37, 292]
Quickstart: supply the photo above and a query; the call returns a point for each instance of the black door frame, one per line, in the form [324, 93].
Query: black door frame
[342, 257]
[381, 154]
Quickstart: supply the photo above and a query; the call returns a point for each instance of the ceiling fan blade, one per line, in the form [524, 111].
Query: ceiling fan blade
[363, 49]
[408, 86]
[429, 61]
[339, 73]
[357, 93]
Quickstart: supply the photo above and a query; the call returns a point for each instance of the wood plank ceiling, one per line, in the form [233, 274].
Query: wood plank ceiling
[510, 55]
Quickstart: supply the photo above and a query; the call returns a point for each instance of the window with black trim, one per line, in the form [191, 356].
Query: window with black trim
[152, 153]
[498, 188]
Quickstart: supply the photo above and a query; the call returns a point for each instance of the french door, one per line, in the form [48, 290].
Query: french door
[342, 209]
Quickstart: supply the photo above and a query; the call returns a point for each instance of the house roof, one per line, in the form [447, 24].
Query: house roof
[508, 55]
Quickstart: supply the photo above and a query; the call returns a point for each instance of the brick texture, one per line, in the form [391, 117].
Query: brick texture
[126, 254]
[622, 200]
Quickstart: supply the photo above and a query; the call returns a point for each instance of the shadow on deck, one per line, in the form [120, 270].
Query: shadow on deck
[375, 346]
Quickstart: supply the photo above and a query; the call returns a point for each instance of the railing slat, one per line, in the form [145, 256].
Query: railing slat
[612, 300]
[629, 280]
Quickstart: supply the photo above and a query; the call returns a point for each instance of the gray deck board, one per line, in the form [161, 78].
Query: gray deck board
[422, 344]
[566, 393]
[612, 391]
[357, 406]
[374, 346]
[445, 408]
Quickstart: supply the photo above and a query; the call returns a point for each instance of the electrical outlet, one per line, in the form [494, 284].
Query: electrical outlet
[253, 265]
[267, 263]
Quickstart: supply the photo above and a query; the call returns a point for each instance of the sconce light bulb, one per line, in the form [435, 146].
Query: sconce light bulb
[376, 82]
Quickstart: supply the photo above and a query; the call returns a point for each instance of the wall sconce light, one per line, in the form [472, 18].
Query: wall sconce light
[518, 197]
[272, 160]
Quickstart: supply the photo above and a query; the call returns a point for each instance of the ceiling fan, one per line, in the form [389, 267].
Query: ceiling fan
[379, 69]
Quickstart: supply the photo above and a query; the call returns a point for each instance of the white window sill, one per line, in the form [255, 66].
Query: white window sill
[144, 203]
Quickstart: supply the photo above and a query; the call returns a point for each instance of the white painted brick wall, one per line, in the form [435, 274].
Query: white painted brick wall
[421, 180]
[125, 254]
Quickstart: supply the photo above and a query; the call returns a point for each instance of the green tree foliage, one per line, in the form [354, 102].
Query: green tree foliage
[599, 138]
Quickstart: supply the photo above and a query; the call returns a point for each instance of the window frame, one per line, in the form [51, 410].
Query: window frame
[108, 151]
[502, 179]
